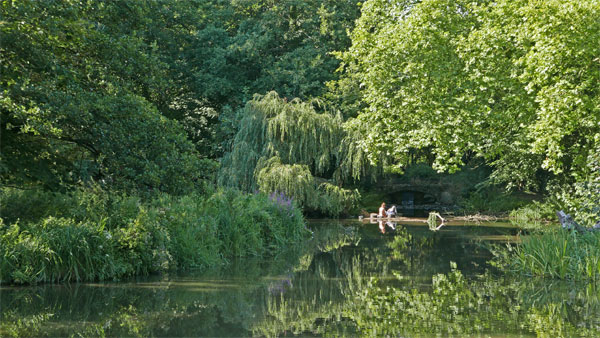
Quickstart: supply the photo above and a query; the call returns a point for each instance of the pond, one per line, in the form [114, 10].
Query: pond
[351, 279]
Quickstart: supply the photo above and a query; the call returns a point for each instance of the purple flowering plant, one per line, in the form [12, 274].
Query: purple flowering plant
[283, 202]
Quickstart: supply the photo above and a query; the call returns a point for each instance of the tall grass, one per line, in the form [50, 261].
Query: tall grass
[556, 254]
[90, 235]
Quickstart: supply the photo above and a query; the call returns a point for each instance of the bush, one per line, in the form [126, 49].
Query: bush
[28, 205]
[535, 213]
[97, 236]
[584, 199]
[493, 199]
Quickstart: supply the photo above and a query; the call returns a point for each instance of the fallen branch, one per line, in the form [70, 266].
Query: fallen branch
[478, 218]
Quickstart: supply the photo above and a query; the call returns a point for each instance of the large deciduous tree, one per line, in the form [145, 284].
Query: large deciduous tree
[515, 82]
[78, 96]
[289, 147]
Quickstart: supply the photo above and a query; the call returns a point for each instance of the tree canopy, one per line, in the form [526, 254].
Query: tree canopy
[137, 94]
[290, 148]
[79, 96]
[150, 95]
[514, 82]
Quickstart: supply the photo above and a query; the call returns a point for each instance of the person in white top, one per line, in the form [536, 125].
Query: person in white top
[382, 212]
[391, 212]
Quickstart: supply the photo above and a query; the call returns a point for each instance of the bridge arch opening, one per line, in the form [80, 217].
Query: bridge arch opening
[410, 202]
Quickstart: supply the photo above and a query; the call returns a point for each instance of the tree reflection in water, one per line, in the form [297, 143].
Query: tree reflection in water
[348, 281]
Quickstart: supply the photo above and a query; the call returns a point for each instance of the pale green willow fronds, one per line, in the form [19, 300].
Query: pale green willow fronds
[353, 154]
[282, 145]
[290, 179]
[296, 180]
[334, 200]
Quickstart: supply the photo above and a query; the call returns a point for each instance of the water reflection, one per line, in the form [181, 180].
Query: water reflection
[384, 225]
[350, 280]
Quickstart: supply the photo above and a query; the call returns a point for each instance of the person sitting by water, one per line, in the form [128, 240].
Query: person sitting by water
[391, 212]
[382, 212]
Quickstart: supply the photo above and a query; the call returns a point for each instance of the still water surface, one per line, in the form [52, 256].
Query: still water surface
[351, 279]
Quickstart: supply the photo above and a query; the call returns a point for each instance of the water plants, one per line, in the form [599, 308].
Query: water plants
[557, 253]
[100, 237]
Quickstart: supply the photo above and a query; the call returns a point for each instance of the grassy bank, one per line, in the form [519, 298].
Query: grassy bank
[91, 235]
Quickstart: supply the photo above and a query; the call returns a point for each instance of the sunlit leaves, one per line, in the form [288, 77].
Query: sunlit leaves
[508, 79]
[79, 91]
[284, 146]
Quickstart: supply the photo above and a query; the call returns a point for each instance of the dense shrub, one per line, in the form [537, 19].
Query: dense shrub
[90, 235]
[494, 200]
[532, 214]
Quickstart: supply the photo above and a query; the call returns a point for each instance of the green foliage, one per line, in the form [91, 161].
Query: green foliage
[29, 205]
[448, 304]
[281, 146]
[494, 200]
[103, 310]
[297, 182]
[293, 180]
[420, 171]
[113, 93]
[221, 52]
[532, 215]
[294, 131]
[513, 82]
[456, 305]
[371, 200]
[355, 160]
[334, 200]
[97, 236]
[584, 198]
[555, 254]
[57, 250]
[332, 287]
[254, 224]
[79, 97]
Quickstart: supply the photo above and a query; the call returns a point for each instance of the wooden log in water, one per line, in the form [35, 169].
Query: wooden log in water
[376, 218]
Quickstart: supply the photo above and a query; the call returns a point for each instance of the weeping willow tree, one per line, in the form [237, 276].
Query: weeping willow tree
[291, 148]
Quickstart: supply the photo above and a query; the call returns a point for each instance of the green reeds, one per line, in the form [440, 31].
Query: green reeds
[96, 236]
[557, 254]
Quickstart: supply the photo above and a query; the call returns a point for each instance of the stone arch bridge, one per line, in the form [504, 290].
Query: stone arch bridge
[418, 194]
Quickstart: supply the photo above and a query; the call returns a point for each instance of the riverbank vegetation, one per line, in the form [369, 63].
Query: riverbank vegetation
[511, 83]
[555, 253]
[115, 116]
[472, 107]
[89, 236]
